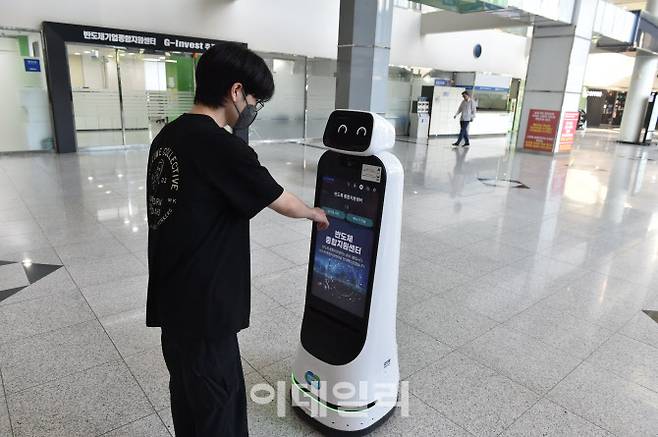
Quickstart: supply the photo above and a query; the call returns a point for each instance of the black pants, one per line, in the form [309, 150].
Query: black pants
[208, 397]
[463, 133]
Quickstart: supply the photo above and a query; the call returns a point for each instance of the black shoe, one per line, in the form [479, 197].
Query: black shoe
[467, 145]
[456, 144]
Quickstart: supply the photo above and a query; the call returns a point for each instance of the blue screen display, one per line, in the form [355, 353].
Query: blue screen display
[343, 255]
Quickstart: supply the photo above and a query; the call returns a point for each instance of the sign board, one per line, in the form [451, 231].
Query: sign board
[496, 89]
[569, 126]
[32, 65]
[441, 82]
[131, 38]
[541, 130]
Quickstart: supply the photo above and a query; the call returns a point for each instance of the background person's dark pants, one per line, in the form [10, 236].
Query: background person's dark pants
[463, 132]
[208, 397]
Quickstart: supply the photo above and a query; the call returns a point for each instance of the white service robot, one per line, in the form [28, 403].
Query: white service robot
[345, 376]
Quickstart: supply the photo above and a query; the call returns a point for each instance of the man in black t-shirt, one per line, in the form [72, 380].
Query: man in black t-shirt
[203, 186]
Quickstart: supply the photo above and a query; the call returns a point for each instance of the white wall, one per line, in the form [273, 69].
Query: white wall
[303, 27]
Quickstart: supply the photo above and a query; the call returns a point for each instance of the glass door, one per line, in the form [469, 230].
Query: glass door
[282, 117]
[25, 123]
[156, 88]
[123, 97]
[321, 95]
[94, 75]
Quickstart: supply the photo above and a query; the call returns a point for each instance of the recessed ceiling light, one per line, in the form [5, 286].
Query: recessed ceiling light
[100, 185]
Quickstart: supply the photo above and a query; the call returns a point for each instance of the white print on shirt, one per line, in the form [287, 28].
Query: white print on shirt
[164, 179]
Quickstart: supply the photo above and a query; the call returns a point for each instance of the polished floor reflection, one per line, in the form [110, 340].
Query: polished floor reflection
[528, 285]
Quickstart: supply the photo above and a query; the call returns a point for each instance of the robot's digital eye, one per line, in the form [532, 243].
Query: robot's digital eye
[343, 128]
[362, 129]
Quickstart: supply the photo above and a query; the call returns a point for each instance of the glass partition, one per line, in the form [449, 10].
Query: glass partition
[125, 96]
[321, 95]
[283, 116]
[95, 91]
[156, 88]
[399, 97]
[25, 123]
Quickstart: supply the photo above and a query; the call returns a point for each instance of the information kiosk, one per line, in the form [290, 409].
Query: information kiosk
[345, 375]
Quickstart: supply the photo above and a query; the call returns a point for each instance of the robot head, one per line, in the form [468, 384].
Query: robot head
[358, 132]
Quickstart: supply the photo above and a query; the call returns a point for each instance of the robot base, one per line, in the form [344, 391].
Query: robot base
[332, 432]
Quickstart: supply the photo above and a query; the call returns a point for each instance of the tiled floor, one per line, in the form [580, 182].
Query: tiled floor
[520, 310]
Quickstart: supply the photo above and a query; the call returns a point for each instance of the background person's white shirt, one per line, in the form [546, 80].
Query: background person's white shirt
[467, 110]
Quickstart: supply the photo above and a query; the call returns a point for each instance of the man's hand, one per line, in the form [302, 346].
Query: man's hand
[291, 206]
[320, 218]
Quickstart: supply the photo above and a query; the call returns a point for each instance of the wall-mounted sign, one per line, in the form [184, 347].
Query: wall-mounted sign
[496, 89]
[541, 130]
[32, 65]
[441, 82]
[594, 93]
[131, 38]
[569, 125]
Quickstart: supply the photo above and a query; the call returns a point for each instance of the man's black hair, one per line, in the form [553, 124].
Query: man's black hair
[466, 93]
[226, 63]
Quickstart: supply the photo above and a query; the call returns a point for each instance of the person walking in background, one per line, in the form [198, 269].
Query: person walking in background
[467, 111]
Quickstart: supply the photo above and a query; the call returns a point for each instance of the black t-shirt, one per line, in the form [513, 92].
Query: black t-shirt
[203, 186]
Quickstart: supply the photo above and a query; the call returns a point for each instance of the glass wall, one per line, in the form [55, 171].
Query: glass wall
[400, 81]
[283, 116]
[124, 97]
[156, 88]
[25, 123]
[321, 95]
[95, 89]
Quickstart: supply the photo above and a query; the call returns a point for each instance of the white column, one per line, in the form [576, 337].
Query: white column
[644, 75]
[642, 79]
[556, 70]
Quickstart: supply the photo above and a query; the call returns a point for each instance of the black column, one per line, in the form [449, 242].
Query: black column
[59, 89]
